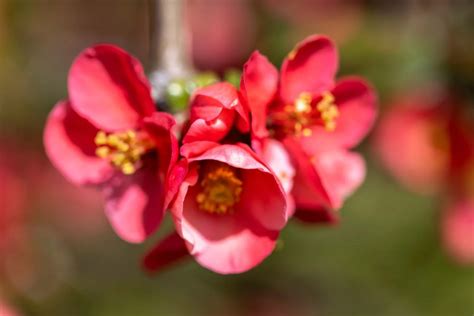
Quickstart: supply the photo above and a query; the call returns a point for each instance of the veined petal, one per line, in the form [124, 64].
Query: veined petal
[228, 244]
[69, 144]
[135, 203]
[341, 172]
[258, 88]
[108, 87]
[310, 67]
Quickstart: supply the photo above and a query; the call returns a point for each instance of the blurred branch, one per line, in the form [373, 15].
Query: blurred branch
[169, 43]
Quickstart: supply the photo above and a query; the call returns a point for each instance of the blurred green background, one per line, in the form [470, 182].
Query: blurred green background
[384, 258]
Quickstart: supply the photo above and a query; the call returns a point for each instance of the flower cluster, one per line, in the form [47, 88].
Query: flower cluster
[427, 143]
[245, 160]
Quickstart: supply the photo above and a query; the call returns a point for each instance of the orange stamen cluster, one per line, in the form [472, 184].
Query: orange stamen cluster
[123, 149]
[220, 190]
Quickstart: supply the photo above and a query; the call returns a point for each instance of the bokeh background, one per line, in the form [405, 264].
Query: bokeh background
[58, 256]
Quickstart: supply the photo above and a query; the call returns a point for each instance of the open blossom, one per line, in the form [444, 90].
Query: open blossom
[109, 134]
[317, 119]
[229, 209]
[229, 206]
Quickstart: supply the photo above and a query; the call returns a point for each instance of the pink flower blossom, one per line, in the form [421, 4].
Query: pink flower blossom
[317, 119]
[229, 208]
[108, 134]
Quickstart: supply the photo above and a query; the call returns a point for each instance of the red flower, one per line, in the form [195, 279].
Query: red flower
[108, 134]
[458, 231]
[229, 208]
[317, 119]
[413, 143]
[428, 145]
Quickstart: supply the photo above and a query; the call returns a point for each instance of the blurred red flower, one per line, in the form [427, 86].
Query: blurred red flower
[7, 310]
[428, 145]
[108, 134]
[458, 231]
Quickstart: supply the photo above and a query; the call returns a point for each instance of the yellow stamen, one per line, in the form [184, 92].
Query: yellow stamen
[329, 111]
[122, 149]
[221, 189]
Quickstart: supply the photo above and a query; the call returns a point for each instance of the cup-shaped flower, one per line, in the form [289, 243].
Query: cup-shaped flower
[317, 118]
[229, 207]
[109, 134]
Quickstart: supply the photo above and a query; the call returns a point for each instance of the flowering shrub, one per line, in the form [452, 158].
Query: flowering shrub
[245, 160]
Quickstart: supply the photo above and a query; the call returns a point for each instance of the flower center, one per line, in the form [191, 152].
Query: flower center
[299, 117]
[220, 190]
[123, 149]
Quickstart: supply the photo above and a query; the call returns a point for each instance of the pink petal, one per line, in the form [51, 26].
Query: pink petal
[69, 144]
[108, 87]
[274, 154]
[196, 148]
[159, 127]
[258, 87]
[341, 172]
[134, 204]
[212, 113]
[458, 231]
[168, 251]
[226, 244]
[357, 106]
[308, 189]
[311, 69]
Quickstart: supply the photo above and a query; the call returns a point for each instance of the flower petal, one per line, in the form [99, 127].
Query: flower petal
[159, 127]
[308, 191]
[341, 172]
[69, 144]
[168, 251]
[458, 231]
[258, 87]
[134, 203]
[274, 154]
[108, 87]
[231, 243]
[213, 111]
[310, 67]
